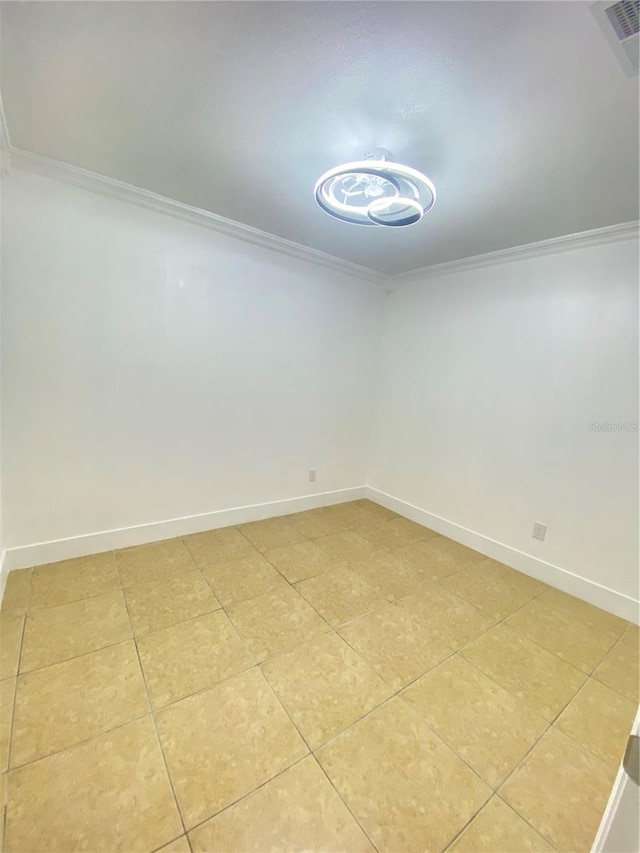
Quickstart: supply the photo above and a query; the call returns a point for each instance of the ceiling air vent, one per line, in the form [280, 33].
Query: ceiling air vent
[620, 23]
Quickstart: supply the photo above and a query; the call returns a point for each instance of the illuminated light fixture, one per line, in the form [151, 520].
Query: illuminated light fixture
[375, 191]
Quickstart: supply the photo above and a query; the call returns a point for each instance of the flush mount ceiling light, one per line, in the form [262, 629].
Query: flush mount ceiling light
[375, 191]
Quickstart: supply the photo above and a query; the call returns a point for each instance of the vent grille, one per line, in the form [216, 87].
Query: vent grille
[624, 17]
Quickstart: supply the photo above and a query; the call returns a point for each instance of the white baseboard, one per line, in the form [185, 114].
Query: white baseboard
[124, 537]
[601, 596]
[141, 534]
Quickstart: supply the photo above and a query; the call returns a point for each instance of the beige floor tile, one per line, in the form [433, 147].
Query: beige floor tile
[222, 743]
[432, 563]
[561, 790]
[180, 845]
[155, 562]
[397, 645]
[387, 573]
[271, 533]
[484, 724]
[298, 810]
[369, 510]
[160, 603]
[346, 547]
[396, 533]
[599, 719]
[569, 639]
[71, 580]
[298, 562]
[276, 622]
[620, 670]
[494, 587]
[190, 656]
[238, 580]
[15, 601]
[218, 546]
[389, 768]
[66, 703]
[631, 636]
[455, 620]
[109, 795]
[7, 697]
[498, 829]
[319, 522]
[456, 553]
[325, 686]
[340, 595]
[594, 617]
[527, 671]
[57, 633]
[10, 643]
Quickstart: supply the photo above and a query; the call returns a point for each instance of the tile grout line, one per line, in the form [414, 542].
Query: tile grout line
[587, 749]
[17, 675]
[592, 674]
[280, 702]
[152, 710]
[437, 581]
[277, 698]
[345, 803]
[460, 832]
[496, 790]
[312, 753]
[155, 726]
[245, 796]
[22, 673]
[5, 804]
[519, 764]
[237, 630]
[80, 742]
[198, 569]
[173, 840]
[162, 752]
[529, 751]
[334, 629]
[257, 665]
[522, 817]
[396, 695]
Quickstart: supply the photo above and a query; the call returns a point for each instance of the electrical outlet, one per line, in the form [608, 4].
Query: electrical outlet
[312, 474]
[539, 531]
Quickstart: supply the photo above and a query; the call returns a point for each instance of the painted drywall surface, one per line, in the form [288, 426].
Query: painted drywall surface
[3, 179]
[490, 382]
[155, 370]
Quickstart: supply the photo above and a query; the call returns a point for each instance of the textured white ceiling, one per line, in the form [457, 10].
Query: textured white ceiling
[518, 111]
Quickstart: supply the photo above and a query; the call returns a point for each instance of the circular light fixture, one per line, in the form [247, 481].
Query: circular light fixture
[375, 191]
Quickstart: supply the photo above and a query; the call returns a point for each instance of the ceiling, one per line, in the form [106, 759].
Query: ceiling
[519, 112]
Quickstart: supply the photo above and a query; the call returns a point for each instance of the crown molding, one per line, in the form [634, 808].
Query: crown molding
[596, 237]
[47, 167]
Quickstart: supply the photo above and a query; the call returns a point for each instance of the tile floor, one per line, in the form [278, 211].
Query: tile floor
[341, 680]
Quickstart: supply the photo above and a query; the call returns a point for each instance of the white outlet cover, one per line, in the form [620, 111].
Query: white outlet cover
[539, 531]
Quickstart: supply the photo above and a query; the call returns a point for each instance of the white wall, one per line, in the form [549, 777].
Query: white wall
[155, 370]
[489, 382]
